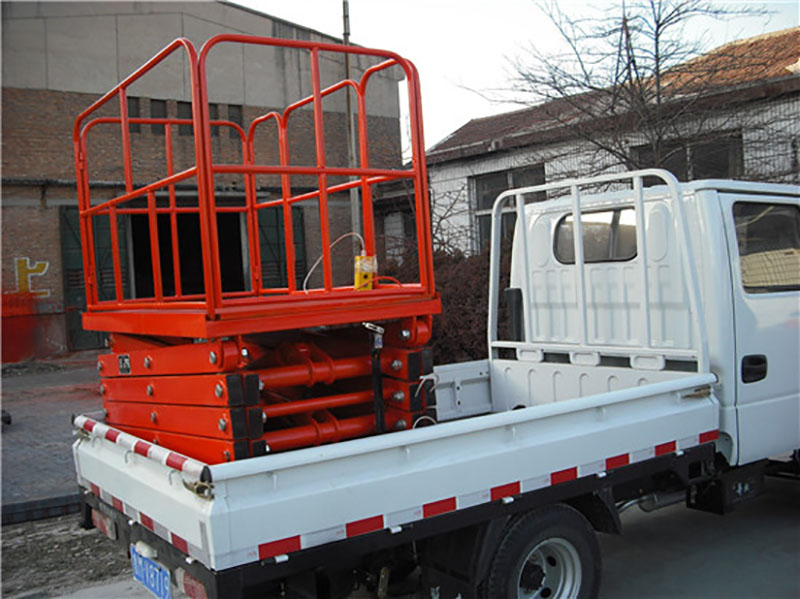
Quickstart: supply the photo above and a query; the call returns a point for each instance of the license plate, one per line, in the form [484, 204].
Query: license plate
[152, 575]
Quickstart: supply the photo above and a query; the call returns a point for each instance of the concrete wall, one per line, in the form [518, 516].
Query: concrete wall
[91, 46]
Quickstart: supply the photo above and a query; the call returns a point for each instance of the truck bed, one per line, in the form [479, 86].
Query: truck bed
[269, 507]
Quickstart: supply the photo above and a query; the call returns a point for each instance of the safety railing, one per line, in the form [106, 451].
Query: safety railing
[158, 200]
[524, 245]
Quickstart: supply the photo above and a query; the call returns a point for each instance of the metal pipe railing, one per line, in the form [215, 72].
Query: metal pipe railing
[205, 169]
[680, 225]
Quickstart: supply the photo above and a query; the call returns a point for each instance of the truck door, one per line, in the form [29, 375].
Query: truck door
[763, 234]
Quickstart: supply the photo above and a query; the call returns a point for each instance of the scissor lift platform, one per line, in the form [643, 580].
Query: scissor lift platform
[256, 306]
[277, 360]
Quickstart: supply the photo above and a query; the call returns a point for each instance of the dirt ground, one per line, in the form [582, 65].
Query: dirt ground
[47, 558]
[30, 368]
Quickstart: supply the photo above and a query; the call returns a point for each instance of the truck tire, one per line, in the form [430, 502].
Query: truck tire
[548, 553]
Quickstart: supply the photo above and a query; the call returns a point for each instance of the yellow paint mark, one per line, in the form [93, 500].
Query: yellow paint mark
[25, 271]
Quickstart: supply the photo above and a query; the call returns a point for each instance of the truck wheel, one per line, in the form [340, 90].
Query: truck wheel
[549, 553]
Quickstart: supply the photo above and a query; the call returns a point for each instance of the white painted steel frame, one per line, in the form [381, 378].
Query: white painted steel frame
[574, 185]
[267, 506]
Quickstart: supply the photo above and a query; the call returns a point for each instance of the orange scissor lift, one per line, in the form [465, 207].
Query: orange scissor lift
[221, 374]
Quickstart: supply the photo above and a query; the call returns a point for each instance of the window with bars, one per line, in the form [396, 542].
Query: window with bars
[185, 112]
[704, 158]
[134, 112]
[487, 187]
[213, 115]
[235, 116]
[158, 110]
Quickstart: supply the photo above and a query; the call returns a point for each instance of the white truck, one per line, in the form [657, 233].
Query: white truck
[651, 356]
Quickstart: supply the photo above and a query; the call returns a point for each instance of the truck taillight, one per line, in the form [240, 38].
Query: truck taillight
[189, 585]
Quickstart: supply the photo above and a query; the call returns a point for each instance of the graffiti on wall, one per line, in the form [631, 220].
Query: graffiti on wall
[25, 271]
[30, 315]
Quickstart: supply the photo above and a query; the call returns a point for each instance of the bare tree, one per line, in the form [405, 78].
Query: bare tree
[635, 87]
[451, 228]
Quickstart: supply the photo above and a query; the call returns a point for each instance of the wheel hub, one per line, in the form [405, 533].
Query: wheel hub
[551, 570]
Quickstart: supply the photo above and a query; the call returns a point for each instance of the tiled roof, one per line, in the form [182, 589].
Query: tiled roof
[769, 56]
[744, 63]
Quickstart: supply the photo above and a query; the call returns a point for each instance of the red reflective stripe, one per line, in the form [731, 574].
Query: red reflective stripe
[117, 504]
[274, 548]
[618, 461]
[89, 425]
[505, 491]
[709, 436]
[361, 527]
[439, 507]
[665, 448]
[112, 435]
[179, 542]
[175, 460]
[142, 448]
[95, 489]
[563, 476]
[146, 521]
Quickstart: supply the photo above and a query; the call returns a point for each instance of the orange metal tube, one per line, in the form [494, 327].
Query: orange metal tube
[112, 215]
[318, 403]
[315, 170]
[319, 135]
[242, 303]
[320, 432]
[308, 373]
[421, 187]
[222, 307]
[286, 191]
[155, 251]
[288, 225]
[248, 152]
[137, 74]
[78, 136]
[367, 215]
[142, 191]
[173, 213]
[177, 210]
[126, 139]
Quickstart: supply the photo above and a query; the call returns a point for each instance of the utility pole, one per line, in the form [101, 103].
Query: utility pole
[355, 212]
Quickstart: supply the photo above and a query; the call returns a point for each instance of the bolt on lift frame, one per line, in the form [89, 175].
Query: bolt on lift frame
[257, 308]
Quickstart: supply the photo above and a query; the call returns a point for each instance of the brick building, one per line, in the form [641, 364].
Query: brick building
[58, 58]
[744, 126]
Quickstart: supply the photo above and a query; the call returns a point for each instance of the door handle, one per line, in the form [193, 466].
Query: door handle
[754, 368]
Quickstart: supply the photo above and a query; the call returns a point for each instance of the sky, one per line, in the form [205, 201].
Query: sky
[462, 47]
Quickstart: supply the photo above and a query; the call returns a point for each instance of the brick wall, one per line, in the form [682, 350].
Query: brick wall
[37, 145]
[37, 140]
[32, 253]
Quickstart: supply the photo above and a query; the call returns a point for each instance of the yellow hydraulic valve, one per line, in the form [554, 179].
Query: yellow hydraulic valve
[366, 267]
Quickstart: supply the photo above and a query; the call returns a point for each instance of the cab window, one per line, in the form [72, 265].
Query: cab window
[608, 236]
[768, 236]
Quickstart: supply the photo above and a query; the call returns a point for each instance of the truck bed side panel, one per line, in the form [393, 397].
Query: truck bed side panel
[274, 505]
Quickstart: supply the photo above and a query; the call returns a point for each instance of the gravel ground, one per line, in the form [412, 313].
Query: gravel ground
[56, 558]
[30, 368]
[47, 558]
